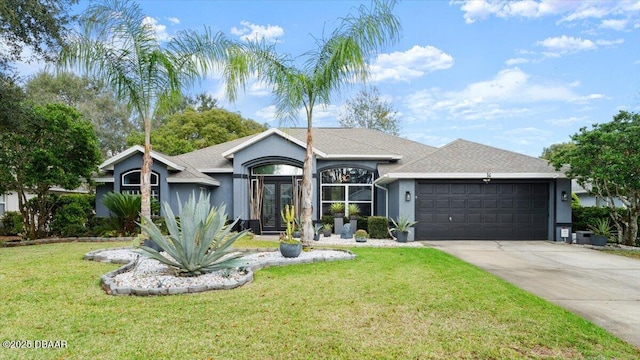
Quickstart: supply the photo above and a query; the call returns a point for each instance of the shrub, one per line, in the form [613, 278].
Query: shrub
[378, 227]
[199, 244]
[363, 223]
[12, 222]
[125, 211]
[582, 217]
[70, 215]
[361, 234]
[327, 219]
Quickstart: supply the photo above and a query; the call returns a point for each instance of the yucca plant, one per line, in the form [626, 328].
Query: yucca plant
[124, 209]
[199, 244]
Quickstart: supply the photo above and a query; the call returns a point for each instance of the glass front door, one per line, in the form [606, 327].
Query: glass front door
[277, 194]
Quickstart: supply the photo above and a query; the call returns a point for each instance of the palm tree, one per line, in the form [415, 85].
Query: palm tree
[336, 62]
[119, 46]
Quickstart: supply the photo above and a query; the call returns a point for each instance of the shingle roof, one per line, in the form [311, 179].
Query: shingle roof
[334, 142]
[462, 156]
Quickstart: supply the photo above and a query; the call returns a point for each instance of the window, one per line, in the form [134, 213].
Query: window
[347, 186]
[131, 181]
[3, 203]
[277, 170]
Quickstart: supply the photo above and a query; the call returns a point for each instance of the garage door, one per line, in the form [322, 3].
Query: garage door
[478, 211]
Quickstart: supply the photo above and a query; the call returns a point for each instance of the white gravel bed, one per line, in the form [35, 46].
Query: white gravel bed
[336, 240]
[150, 277]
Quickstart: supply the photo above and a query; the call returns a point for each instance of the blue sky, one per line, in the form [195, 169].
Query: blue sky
[518, 75]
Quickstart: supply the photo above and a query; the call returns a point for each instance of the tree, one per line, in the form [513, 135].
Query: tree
[368, 111]
[608, 157]
[38, 24]
[336, 62]
[549, 152]
[191, 130]
[12, 112]
[54, 147]
[110, 118]
[118, 47]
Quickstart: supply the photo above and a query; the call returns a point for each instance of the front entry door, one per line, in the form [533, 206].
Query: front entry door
[277, 194]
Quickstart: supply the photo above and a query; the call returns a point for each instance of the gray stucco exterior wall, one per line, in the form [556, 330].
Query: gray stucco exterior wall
[101, 190]
[561, 212]
[271, 150]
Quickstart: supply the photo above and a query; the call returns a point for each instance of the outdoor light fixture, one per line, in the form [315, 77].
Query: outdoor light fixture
[564, 196]
[407, 196]
[487, 179]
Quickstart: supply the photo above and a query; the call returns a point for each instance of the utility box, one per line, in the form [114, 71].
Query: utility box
[583, 237]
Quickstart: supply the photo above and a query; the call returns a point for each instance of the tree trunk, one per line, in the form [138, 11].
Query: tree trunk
[145, 174]
[632, 229]
[307, 190]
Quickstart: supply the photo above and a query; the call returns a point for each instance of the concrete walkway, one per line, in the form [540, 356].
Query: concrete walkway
[603, 288]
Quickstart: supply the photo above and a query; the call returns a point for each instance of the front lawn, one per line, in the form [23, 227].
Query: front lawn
[386, 304]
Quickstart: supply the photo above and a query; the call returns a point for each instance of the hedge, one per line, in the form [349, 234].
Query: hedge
[377, 227]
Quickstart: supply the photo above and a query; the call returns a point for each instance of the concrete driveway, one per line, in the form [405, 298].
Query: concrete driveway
[603, 288]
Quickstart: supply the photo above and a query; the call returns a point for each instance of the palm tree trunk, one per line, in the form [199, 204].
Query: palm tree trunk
[145, 174]
[307, 191]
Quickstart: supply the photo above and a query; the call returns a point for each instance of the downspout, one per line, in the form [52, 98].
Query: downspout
[386, 197]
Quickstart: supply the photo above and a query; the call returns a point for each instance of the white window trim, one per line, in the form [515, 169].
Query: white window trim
[153, 175]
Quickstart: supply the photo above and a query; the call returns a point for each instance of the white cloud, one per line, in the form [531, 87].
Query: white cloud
[609, 42]
[250, 31]
[506, 95]
[516, 61]
[259, 89]
[558, 46]
[413, 63]
[569, 10]
[565, 122]
[614, 24]
[174, 20]
[323, 115]
[267, 113]
[159, 29]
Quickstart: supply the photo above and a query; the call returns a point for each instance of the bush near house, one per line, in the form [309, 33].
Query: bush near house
[363, 223]
[71, 214]
[377, 227]
[327, 219]
[12, 223]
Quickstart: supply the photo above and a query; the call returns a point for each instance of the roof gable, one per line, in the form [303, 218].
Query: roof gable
[165, 159]
[265, 134]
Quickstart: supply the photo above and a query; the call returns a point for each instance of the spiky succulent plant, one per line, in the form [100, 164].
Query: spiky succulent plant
[200, 243]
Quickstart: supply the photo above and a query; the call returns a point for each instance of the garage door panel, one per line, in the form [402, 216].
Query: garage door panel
[468, 211]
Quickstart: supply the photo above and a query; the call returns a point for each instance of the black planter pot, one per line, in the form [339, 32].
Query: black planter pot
[327, 233]
[254, 226]
[316, 237]
[361, 239]
[598, 240]
[290, 250]
[402, 236]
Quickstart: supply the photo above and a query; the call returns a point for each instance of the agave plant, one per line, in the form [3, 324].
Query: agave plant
[199, 244]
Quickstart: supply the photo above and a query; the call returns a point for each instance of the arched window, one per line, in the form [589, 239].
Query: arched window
[277, 170]
[348, 186]
[131, 181]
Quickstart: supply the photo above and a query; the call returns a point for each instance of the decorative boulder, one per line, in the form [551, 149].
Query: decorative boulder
[346, 232]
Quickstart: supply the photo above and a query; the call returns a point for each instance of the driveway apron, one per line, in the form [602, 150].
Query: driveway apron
[602, 288]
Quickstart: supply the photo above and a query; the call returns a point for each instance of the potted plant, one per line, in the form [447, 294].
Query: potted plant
[601, 232]
[401, 228]
[361, 235]
[354, 211]
[317, 229]
[326, 229]
[338, 212]
[289, 247]
[297, 225]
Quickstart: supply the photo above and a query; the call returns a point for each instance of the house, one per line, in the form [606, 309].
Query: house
[10, 200]
[587, 198]
[463, 190]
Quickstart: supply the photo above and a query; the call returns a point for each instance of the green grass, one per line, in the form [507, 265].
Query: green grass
[634, 254]
[386, 304]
